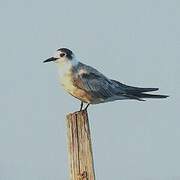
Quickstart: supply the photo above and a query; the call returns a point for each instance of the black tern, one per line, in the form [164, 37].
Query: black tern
[90, 86]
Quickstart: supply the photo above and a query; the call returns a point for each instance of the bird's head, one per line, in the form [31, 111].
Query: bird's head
[62, 56]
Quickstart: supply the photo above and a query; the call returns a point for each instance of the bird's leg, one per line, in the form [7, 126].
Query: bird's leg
[81, 106]
[86, 107]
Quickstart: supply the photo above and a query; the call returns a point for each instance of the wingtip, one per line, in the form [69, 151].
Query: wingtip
[155, 89]
[164, 96]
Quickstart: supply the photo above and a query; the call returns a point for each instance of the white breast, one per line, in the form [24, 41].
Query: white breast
[66, 80]
[65, 77]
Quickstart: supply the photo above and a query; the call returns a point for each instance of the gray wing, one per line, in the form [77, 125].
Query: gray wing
[132, 89]
[96, 83]
[99, 86]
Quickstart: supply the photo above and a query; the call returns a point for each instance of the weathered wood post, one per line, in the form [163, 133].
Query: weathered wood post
[79, 146]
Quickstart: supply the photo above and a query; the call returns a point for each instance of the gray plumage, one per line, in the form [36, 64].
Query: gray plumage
[103, 89]
[90, 86]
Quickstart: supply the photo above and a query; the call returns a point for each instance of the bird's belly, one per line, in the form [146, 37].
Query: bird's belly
[80, 94]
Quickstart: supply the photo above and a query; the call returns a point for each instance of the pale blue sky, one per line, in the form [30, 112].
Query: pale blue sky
[135, 42]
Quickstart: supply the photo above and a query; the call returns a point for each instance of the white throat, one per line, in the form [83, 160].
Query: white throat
[65, 66]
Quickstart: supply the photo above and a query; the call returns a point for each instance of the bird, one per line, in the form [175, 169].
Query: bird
[90, 86]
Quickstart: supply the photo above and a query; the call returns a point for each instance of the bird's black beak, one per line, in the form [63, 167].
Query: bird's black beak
[50, 59]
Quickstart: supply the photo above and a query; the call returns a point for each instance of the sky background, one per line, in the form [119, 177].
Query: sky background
[135, 42]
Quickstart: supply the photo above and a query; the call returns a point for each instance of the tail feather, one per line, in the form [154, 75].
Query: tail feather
[132, 89]
[137, 93]
[144, 95]
[130, 96]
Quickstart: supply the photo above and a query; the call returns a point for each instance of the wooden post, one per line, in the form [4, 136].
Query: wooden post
[79, 146]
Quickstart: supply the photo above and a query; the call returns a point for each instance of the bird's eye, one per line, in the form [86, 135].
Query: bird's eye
[62, 54]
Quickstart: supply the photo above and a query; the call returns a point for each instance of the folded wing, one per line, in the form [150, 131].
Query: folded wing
[99, 86]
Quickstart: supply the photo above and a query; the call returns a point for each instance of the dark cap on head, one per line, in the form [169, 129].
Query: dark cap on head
[69, 53]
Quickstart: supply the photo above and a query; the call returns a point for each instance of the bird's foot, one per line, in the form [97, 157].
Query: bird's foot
[85, 109]
[81, 107]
